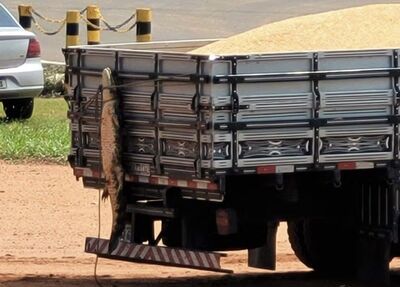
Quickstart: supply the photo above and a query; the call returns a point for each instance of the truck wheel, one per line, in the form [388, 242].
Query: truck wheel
[297, 241]
[172, 232]
[325, 245]
[20, 109]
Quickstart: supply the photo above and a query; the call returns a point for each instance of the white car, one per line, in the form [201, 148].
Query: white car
[21, 71]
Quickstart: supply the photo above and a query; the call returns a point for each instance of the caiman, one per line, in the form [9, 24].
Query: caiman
[111, 157]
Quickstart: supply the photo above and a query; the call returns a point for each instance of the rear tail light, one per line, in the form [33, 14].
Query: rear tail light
[33, 48]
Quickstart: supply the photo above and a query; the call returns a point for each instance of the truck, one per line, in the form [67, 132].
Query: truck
[221, 148]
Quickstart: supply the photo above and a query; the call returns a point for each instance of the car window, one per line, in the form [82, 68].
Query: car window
[6, 20]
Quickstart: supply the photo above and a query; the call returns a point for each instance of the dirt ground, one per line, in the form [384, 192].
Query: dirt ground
[46, 214]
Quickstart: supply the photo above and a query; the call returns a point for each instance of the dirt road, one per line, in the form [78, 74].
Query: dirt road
[45, 216]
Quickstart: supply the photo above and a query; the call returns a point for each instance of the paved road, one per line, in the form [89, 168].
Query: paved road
[185, 19]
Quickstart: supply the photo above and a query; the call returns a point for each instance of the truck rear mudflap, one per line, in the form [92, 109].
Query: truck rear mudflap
[177, 257]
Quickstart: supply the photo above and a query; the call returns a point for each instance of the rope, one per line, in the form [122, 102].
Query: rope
[95, 99]
[138, 83]
[51, 20]
[98, 118]
[41, 29]
[96, 263]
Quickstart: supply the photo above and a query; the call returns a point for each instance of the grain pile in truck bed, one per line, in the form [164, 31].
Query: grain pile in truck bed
[372, 26]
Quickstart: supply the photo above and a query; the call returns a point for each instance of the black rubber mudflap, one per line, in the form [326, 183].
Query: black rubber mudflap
[264, 257]
[373, 260]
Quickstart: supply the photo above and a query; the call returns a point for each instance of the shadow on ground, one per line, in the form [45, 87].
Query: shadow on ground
[291, 279]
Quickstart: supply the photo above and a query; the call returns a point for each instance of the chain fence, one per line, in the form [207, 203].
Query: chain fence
[109, 27]
[117, 28]
[41, 29]
[51, 20]
[105, 25]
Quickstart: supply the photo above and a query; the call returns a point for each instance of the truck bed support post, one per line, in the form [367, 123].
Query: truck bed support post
[264, 257]
[379, 229]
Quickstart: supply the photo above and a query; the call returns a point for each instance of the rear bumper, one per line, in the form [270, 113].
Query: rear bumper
[24, 81]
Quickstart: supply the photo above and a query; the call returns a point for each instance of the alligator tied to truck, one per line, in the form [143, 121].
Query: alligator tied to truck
[221, 149]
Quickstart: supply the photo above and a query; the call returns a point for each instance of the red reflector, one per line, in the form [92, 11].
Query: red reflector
[78, 172]
[226, 220]
[172, 182]
[212, 186]
[33, 48]
[192, 184]
[346, 165]
[266, 169]
[153, 180]
[96, 173]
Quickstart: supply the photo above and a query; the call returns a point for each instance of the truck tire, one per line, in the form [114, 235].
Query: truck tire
[325, 245]
[297, 242]
[20, 109]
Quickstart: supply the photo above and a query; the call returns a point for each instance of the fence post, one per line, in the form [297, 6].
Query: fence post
[93, 16]
[143, 25]
[25, 16]
[73, 17]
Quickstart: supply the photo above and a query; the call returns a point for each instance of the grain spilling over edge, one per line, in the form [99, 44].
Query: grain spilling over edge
[372, 26]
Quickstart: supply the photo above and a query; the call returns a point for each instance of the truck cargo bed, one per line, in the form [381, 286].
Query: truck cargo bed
[190, 120]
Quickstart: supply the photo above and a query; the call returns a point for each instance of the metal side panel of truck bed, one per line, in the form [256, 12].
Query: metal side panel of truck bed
[189, 120]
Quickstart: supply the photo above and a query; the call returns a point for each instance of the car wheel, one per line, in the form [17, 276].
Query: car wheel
[18, 109]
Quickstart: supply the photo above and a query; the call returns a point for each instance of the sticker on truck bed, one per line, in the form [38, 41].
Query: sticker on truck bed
[141, 169]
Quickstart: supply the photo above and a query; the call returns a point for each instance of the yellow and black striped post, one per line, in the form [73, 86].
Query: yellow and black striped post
[93, 16]
[73, 17]
[25, 16]
[143, 25]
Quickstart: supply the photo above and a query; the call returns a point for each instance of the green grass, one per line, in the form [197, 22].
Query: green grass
[44, 137]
